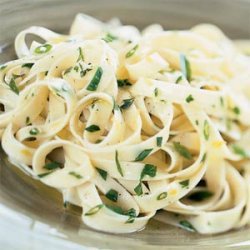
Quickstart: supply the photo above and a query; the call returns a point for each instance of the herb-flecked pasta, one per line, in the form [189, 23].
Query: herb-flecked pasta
[126, 123]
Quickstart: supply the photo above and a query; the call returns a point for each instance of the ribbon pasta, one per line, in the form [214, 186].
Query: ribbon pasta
[126, 123]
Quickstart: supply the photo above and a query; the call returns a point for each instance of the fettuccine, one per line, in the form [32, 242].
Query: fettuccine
[125, 123]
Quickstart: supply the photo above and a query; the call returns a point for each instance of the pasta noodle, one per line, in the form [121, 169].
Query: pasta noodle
[125, 123]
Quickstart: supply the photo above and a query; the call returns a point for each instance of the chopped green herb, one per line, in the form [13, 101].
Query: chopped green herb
[189, 99]
[182, 150]
[221, 101]
[132, 51]
[52, 165]
[95, 80]
[123, 83]
[27, 65]
[127, 103]
[13, 86]
[162, 196]
[204, 157]
[34, 131]
[187, 225]
[200, 195]
[197, 122]
[116, 209]
[68, 70]
[80, 57]
[94, 210]
[141, 156]
[43, 49]
[112, 195]
[115, 105]
[240, 151]
[149, 170]
[236, 110]
[131, 212]
[156, 92]
[109, 38]
[185, 67]
[184, 184]
[83, 72]
[102, 173]
[178, 79]
[93, 128]
[206, 130]
[158, 141]
[44, 174]
[138, 189]
[78, 176]
[46, 73]
[76, 69]
[118, 165]
[27, 121]
[2, 67]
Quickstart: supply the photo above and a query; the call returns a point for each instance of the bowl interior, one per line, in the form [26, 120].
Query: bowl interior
[33, 212]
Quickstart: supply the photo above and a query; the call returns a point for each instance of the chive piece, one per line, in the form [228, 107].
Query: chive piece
[221, 101]
[184, 184]
[76, 69]
[112, 195]
[197, 122]
[236, 110]
[132, 51]
[95, 80]
[158, 141]
[149, 170]
[206, 130]
[187, 225]
[93, 128]
[118, 165]
[162, 196]
[116, 209]
[141, 156]
[240, 151]
[132, 214]
[204, 157]
[102, 173]
[127, 103]
[78, 176]
[34, 131]
[182, 150]
[2, 67]
[67, 70]
[156, 92]
[27, 65]
[43, 49]
[83, 72]
[52, 165]
[109, 38]
[94, 210]
[13, 86]
[178, 79]
[185, 67]
[44, 174]
[46, 73]
[80, 57]
[27, 121]
[138, 189]
[189, 99]
[123, 83]
[200, 195]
